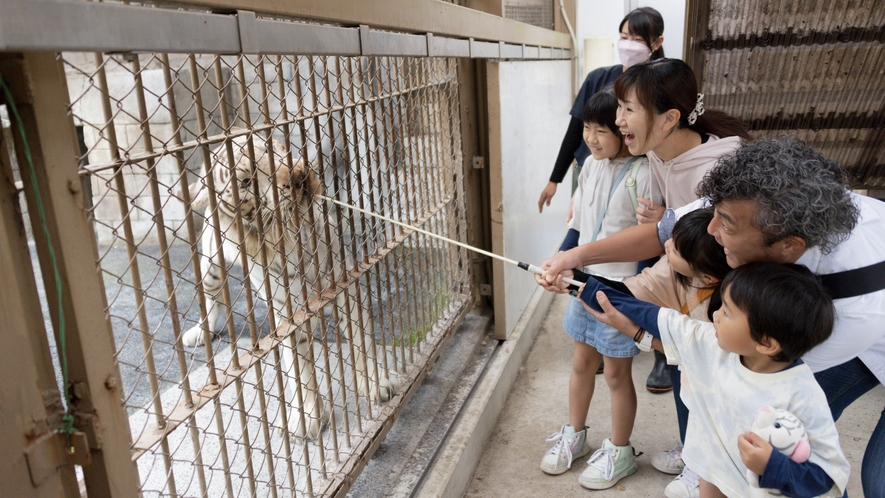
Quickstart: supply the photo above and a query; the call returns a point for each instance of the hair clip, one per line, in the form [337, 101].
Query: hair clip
[697, 111]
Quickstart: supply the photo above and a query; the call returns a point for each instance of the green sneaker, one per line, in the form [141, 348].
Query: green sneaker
[569, 445]
[608, 465]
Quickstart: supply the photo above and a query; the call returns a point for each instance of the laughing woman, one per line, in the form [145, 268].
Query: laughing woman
[661, 114]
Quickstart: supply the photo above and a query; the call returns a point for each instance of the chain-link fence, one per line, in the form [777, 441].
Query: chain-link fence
[263, 333]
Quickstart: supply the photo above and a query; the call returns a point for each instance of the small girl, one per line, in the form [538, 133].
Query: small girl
[688, 278]
[604, 203]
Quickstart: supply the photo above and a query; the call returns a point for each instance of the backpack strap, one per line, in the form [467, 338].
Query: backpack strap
[631, 181]
[857, 282]
[611, 193]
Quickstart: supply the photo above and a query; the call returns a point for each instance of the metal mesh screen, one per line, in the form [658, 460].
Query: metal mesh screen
[534, 12]
[205, 175]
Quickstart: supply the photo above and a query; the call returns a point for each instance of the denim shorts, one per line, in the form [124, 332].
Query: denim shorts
[581, 326]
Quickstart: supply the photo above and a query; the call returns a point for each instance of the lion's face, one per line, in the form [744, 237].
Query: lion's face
[295, 186]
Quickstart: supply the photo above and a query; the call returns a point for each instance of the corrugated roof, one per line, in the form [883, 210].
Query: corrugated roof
[811, 69]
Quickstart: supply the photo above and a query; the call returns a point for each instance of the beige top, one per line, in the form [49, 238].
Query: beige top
[678, 178]
[658, 285]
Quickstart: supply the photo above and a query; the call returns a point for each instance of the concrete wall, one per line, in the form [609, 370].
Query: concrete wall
[528, 115]
[87, 110]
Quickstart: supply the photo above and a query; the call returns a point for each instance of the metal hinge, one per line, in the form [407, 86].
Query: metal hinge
[479, 162]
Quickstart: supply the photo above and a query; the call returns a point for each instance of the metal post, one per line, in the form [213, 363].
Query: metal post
[471, 93]
[697, 17]
[40, 91]
[31, 416]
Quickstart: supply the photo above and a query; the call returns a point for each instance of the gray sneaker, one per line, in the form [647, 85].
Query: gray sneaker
[669, 462]
[569, 446]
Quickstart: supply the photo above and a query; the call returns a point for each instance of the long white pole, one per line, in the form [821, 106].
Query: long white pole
[524, 266]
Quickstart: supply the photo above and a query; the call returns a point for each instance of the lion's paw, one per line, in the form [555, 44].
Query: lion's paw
[315, 423]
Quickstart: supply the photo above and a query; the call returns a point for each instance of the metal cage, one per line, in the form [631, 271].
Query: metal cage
[293, 385]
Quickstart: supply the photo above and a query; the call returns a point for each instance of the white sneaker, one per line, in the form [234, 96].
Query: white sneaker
[669, 462]
[684, 486]
[569, 445]
[608, 465]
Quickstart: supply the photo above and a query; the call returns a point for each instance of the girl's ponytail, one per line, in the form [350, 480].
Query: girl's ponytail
[715, 122]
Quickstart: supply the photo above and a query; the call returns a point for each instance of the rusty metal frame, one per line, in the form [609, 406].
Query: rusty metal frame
[413, 16]
[39, 87]
[110, 27]
[33, 460]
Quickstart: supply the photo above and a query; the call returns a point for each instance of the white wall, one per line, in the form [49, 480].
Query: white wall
[600, 18]
[529, 103]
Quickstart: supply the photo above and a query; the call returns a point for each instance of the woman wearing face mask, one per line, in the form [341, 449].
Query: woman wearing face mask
[641, 39]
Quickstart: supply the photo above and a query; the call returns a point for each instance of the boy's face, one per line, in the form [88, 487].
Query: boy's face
[602, 142]
[732, 328]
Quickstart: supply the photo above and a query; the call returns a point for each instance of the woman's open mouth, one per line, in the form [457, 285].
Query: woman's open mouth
[629, 138]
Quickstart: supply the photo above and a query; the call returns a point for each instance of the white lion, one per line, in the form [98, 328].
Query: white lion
[263, 239]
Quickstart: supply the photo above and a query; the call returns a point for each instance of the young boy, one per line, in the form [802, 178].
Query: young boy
[748, 357]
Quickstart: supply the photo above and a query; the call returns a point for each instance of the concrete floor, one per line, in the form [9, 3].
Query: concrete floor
[538, 405]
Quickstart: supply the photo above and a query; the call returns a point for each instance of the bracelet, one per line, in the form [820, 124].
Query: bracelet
[644, 343]
[638, 335]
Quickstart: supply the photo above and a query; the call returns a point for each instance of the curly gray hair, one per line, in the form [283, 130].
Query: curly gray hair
[798, 191]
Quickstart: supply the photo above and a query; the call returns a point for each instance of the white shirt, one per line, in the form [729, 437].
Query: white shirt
[859, 330]
[591, 196]
[724, 400]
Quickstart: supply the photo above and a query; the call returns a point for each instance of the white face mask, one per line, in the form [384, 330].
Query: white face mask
[632, 52]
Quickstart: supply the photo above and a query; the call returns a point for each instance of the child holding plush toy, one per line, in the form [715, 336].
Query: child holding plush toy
[785, 433]
[749, 357]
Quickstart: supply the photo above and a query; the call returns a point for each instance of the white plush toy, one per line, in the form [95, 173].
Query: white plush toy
[786, 434]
